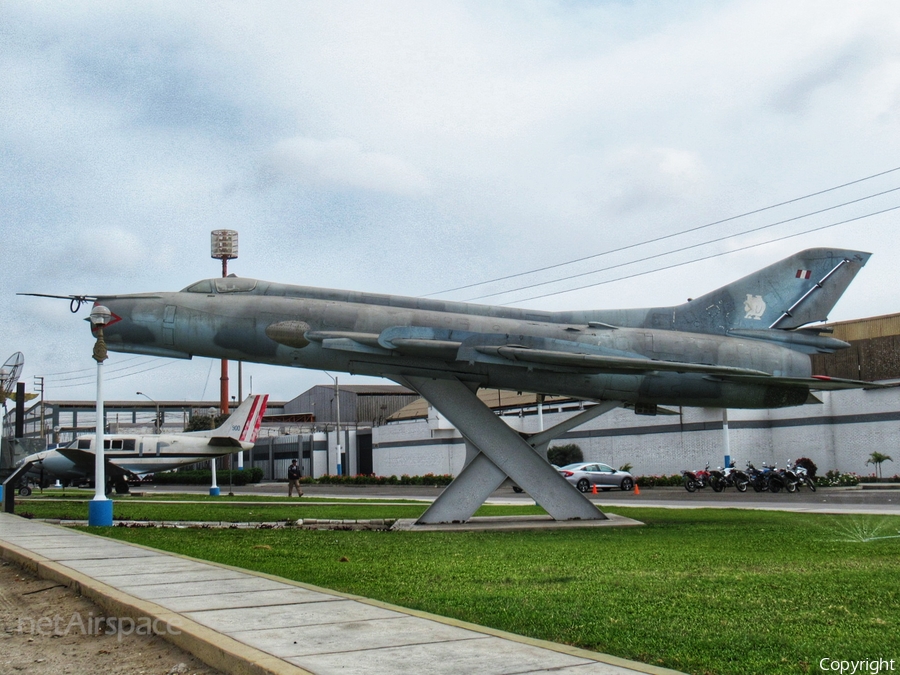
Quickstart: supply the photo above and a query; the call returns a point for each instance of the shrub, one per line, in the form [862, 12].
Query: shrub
[565, 454]
[837, 479]
[809, 465]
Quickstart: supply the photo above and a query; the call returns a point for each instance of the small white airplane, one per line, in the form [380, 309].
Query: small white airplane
[131, 455]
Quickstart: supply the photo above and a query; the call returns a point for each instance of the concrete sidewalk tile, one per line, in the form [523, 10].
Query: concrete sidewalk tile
[89, 552]
[225, 600]
[353, 636]
[287, 616]
[32, 535]
[161, 591]
[148, 565]
[490, 656]
[592, 668]
[138, 577]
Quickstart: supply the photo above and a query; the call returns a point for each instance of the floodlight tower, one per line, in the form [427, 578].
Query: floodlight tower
[225, 248]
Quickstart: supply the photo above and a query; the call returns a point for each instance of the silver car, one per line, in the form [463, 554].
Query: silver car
[585, 475]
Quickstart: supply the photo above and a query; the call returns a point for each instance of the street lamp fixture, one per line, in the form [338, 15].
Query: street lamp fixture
[100, 511]
[157, 424]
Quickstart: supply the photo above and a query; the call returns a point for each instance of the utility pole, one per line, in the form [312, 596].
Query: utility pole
[39, 385]
[157, 425]
[224, 246]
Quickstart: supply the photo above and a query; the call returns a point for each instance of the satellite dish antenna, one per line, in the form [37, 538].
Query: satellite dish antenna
[9, 375]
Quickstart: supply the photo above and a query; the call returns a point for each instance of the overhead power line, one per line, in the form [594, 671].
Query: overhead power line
[667, 236]
[707, 257]
[686, 248]
[168, 362]
[90, 369]
[108, 369]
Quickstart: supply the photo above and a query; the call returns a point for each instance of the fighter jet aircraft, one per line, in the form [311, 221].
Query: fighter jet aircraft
[745, 345]
[132, 455]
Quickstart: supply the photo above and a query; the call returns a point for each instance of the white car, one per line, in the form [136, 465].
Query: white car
[584, 475]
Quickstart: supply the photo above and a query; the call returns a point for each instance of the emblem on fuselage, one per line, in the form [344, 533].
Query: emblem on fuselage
[754, 307]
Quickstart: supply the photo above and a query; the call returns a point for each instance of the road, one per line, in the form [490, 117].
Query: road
[885, 501]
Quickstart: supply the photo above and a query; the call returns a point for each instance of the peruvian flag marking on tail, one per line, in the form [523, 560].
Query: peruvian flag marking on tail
[804, 274]
[254, 419]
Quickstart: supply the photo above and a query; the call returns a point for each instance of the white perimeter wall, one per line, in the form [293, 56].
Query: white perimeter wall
[839, 434]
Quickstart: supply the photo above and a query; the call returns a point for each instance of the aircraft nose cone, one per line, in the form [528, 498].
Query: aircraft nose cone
[289, 333]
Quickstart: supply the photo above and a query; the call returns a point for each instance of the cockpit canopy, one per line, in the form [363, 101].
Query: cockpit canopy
[222, 285]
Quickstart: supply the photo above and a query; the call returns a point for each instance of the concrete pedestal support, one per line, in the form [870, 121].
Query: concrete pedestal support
[502, 453]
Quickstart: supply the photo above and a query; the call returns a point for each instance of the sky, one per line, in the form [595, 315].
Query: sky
[412, 148]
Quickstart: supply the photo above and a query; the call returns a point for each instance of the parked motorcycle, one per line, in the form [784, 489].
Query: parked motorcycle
[694, 480]
[774, 480]
[758, 479]
[788, 478]
[799, 476]
[728, 477]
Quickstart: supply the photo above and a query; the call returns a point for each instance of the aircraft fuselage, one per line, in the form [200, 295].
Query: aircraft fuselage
[352, 332]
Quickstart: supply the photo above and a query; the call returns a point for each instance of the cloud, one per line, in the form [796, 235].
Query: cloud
[645, 178]
[341, 163]
[407, 147]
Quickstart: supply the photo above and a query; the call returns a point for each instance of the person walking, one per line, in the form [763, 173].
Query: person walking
[294, 476]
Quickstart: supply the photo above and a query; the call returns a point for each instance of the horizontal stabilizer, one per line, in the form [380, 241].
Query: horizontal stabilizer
[814, 383]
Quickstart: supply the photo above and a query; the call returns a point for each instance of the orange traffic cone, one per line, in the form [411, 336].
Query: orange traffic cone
[594, 491]
[637, 489]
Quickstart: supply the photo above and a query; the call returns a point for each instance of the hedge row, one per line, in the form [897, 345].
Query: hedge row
[427, 479]
[204, 477]
[872, 478]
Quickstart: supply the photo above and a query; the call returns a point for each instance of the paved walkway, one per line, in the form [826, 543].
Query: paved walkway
[256, 623]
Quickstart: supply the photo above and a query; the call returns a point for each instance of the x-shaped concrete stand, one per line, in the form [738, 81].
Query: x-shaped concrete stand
[500, 452]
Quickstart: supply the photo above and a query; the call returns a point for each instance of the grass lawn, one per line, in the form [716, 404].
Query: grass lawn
[75, 494]
[709, 591]
[224, 509]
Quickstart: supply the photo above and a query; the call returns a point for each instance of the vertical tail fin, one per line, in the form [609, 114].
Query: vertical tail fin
[788, 294]
[243, 424]
[250, 430]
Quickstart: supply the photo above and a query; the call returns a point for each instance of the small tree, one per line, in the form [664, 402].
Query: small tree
[205, 422]
[876, 458]
[809, 465]
[565, 454]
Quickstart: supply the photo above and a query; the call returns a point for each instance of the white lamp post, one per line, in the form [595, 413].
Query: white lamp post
[214, 488]
[337, 424]
[100, 509]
